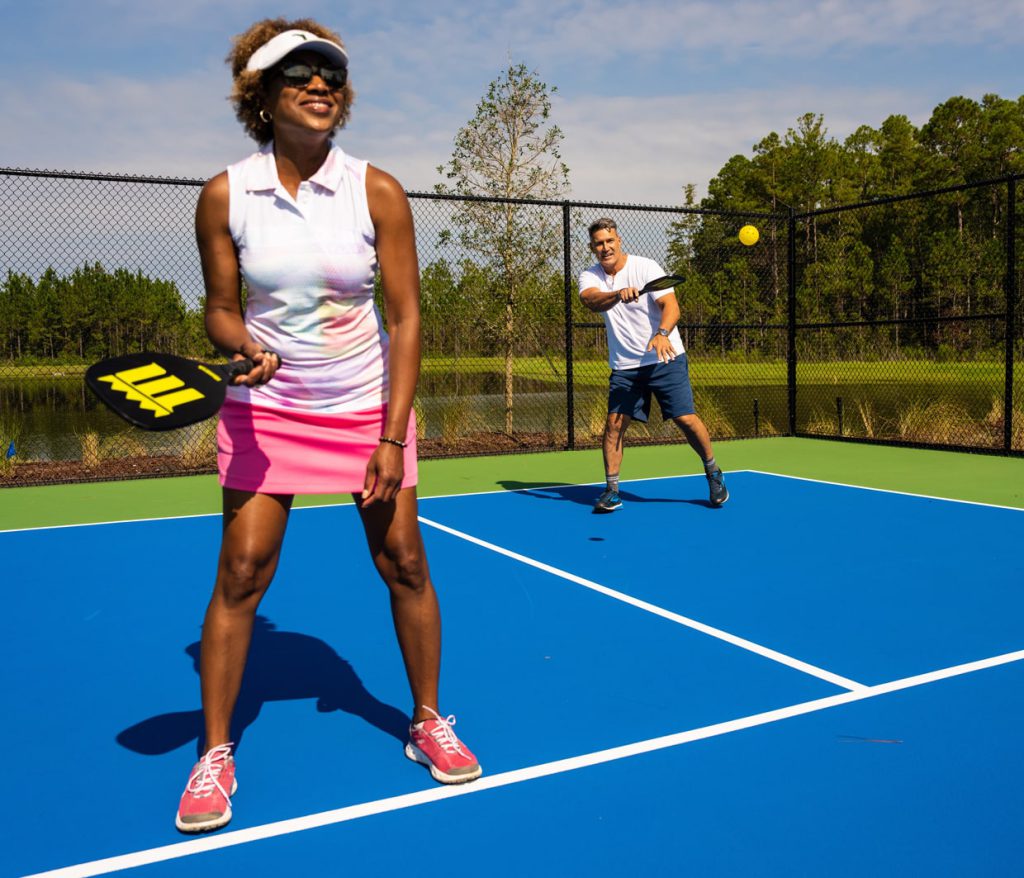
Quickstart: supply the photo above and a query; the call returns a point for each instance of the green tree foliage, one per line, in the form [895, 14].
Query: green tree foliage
[494, 285]
[93, 313]
[508, 150]
[940, 256]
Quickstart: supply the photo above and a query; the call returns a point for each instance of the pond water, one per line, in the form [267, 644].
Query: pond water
[49, 417]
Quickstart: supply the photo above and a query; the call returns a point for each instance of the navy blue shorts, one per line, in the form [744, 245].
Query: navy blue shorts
[630, 390]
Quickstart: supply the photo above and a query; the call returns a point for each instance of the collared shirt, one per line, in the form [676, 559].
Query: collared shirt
[631, 325]
[309, 265]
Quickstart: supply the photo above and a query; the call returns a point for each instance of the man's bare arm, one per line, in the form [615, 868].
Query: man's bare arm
[598, 300]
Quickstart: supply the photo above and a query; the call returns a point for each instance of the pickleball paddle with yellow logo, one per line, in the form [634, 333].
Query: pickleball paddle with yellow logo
[162, 391]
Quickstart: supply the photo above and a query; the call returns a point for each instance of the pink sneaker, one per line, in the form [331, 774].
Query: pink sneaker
[206, 802]
[434, 744]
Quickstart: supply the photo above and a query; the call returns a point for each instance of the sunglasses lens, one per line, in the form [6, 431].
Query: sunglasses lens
[298, 75]
[335, 77]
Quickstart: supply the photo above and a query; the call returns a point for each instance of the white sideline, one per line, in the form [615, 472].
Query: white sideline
[760, 472]
[524, 490]
[396, 803]
[15, 530]
[748, 645]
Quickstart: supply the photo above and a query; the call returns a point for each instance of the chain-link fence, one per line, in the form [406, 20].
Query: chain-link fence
[880, 322]
[904, 326]
[93, 266]
[492, 299]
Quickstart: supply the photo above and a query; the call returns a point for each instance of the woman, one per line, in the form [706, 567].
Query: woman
[328, 404]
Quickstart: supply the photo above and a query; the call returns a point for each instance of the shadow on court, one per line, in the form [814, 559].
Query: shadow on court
[282, 666]
[586, 495]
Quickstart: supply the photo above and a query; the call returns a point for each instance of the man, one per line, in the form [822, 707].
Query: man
[646, 356]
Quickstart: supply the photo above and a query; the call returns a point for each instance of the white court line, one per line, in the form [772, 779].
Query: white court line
[18, 530]
[14, 530]
[548, 486]
[748, 645]
[544, 487]
[345, 503]
[882, 490]
[490, 782]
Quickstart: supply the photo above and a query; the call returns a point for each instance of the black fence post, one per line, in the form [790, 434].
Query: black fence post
[570, 412]
[791, 320]
[1011, 308]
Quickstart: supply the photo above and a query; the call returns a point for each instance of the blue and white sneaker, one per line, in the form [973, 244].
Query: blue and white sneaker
[608, 502]
[716, 484]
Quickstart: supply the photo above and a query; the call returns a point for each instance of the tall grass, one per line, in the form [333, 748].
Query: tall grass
[995, 421]
[90, 443]
[925, 421]
[122, 445]
[867, 417]
[421, 419]
[199, 448]
[10, 431]
[457, 418]
[821, 424]
[718, 424]
[941, 423]
[593, 407]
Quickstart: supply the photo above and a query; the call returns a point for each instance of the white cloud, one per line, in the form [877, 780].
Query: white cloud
[118, 19]
[594, 32]
[181, 127]
[419, 72]
[185, 127]
[643, 150]
[626, 149]
[646, 98]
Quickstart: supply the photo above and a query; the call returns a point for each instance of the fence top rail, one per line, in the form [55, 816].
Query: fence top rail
[910, 196]
[601, 205]
[491, 199]
[903, 321]
[596, 205]
[427, 196]
[115, 178]
[702, 211]
[718, 326]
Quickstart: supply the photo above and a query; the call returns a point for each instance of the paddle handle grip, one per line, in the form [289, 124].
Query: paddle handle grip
[239, 367]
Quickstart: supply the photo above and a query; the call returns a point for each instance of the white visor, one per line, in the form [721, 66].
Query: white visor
[274, 50]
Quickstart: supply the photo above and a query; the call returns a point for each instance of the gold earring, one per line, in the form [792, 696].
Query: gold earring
[266, 117]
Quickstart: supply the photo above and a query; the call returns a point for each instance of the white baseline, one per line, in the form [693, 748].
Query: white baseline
[490, 782]
[725, 636]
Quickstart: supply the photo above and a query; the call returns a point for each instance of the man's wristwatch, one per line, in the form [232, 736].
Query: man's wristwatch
[664, 332]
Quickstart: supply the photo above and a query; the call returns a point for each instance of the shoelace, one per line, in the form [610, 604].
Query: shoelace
[443, 734]
[206, 778]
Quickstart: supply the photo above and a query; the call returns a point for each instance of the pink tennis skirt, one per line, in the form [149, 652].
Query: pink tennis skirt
[274, 451]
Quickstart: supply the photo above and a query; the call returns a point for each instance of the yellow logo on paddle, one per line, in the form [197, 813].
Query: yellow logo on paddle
[153, 388]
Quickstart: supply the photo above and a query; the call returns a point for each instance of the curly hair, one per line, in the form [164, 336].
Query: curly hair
[249, 92]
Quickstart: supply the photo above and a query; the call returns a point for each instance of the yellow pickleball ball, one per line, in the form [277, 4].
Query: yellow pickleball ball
[749, 235]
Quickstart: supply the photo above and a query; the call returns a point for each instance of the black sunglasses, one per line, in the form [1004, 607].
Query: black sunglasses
[300, 75]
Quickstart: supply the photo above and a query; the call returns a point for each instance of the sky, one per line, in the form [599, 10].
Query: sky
[651, 94]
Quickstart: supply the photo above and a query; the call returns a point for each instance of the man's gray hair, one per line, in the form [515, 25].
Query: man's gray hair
[602, 223]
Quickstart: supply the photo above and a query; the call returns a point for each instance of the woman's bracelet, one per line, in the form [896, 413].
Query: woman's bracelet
[391, 441]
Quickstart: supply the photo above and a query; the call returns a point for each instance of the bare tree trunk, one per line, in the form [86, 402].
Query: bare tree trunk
[509, 337]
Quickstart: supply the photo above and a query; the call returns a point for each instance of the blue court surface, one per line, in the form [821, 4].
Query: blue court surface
[814, 680]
